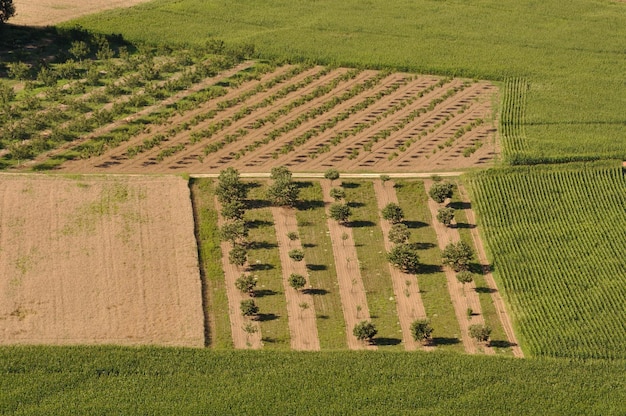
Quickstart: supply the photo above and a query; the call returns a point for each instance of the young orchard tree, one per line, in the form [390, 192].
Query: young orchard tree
[337, 194]
[364, 330]
[421, 330]
[457, 256]
[331, 174]
[292, 235]
[445, 216]
[296, 255]
[283, 193]
[234, 232]
[248, 307]
[385, 178]
[393, 212]
[233, 210]
[229, 186]
[280, 173]
[440, 191]
[238, 256]
[404, 257]
[340, 212]
[480, 333]
[246, 284]
[297, 281]
[7, 10]
[399, 233]
[465, 276]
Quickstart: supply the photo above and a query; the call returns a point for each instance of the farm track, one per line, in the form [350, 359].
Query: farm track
[405, 286]
[498, 302]
[462, 296]
[241, 339]
[256, 134]
[302, 323]
[351, 289]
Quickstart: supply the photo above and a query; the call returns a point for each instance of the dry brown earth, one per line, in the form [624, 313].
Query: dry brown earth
[300, 305]
[98, 260]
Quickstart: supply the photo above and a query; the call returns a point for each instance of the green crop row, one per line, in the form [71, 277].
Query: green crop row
[557, 237]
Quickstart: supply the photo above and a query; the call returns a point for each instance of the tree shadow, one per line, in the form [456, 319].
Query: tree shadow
[261, 293]
[322, 317]
[258, 224]
[309, 245]
[304, 223]
[429, 268]
[350, 185]
[361, 224]
[415, 224]
[421, 246]
[264, 317]
[356, 204]
[261, 266]
[257, 203]
[464, 225]
[304, 184]
[382, 342]
[309, 204]
[315, 292]
[501, 344]
[316, 267]
[445, 341]
[261, 245]
[482, 289]
[269, 340]
[460, 205]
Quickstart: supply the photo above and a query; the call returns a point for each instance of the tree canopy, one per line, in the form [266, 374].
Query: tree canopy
[340, 212]
[457, 256]
[7, 10]
[404, 257]
[393, 212]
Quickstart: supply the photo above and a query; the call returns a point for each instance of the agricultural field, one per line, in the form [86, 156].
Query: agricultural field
[96, 260]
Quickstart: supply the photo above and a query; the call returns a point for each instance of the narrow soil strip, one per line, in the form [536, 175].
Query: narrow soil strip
[408, 300]
[498, 302]
[463, 296]
[300, 305]
[241, 338]
[351, 287]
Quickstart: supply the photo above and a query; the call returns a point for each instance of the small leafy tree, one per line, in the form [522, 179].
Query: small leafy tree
[7, 10]
[47, 77]
[248, 307]
[283, 193]
[393, 212]
[445, 215]
[297, 281]
[337, 194]
[440, 191]
[234, 231]
[457, 256]
[480, 333]
[399, 233]
[385, 178]
[18, 70]
[238, 256]
[364, 330]
[465, 276]
[233, 210]
[79, 50]
[246, 284]
[229, 186]
[280, 173]
[340, 212]
[421, 330]
[7, 94]
[404, 257]
[292, 235]
[296, 255]
[331, 174]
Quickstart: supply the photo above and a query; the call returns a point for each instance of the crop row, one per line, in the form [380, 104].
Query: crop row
[512, 118]
[561, 268]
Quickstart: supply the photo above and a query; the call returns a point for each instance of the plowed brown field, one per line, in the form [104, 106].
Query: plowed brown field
[98, 260]
[352, 120]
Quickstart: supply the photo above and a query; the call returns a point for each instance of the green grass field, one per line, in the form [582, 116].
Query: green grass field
[572, 55]
[106, 380]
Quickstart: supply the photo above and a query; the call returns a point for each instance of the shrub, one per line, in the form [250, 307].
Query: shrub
[440, 191]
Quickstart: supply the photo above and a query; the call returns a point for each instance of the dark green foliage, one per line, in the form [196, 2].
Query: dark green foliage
[297, 281]
[292, 235]
[439, 191]
[421, 330]
[248, 307]
[229, 186]
[399, 233]
[465, 276]
[234, 231]
[445, 215]
[233, 210]
[283, 193]
[238, 256]
[7, 10]
[480, 333]
[457, 256]
[331, 174]
[280, 173]
[296, 255]
[364, 331]
[393, 212]
[404, 257]
[337, 193]
[340, 212]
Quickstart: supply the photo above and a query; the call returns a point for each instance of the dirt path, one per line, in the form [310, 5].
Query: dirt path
[405, 287]
[498, 302]
[300, 305]
[50, 12]
[241, 339]
[351, 289]
[463, 296]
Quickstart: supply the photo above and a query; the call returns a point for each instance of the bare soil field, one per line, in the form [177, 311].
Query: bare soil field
[352, 120]
[98, 260]
[50, 12]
